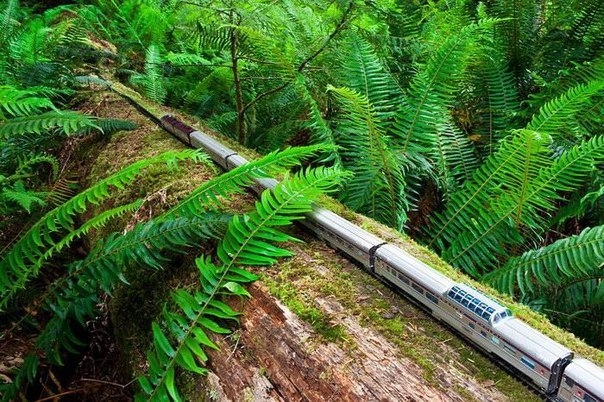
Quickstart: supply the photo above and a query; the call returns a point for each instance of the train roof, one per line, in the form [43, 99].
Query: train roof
[588, 375]
[531, 342]
[413, 268]
[344, 229]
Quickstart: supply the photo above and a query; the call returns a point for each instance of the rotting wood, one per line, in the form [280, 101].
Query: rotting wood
[294, 365]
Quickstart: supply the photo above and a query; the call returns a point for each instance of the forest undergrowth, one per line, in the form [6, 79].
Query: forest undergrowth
[473, 127]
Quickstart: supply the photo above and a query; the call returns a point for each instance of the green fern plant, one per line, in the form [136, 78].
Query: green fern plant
[74, 298]
[24, 260]
[558, 116]
[432, 91]
[563, 280]
[561, 264]
[506, 199]
[247, 242]
[152, 81]
[378, 186]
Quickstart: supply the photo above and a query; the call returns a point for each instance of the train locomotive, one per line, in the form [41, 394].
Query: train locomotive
[485, 322]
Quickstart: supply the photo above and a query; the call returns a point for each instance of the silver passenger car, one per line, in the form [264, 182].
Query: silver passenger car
[343, 235]
[583, 381]
[412, 276]
[534, 354]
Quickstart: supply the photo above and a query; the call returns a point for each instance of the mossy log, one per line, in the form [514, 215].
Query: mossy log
[317, 327]
[278, 357]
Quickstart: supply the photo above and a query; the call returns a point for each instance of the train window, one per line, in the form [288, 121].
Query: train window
[528, 362]
[589, 398]
[495, 340]
[473, 304]
[459, 296]
[484, 334]
[471, 325]
[569, 381]
[403, 278]
[453, 291]
[431, 297]
[486, 315]
[417, 288]
[509, 349]
[466, 300]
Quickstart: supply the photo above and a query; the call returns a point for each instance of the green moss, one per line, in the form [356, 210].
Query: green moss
[299, 305]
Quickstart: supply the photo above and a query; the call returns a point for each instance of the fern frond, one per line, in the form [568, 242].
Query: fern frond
[67, 121]
[186, 59]
[26, 164]
[152, 80]
[148, 245]
[456, 159]
[109, 126]
[17, 103]
[21, 196]
[563, 263]
[556, 116]
[320, 131]
[212, 37]
[23, 260]
[209, 194]
[246, 242]
[432, 91]
[378, 186]
[497, 103]
[512, 189]
[62, 190]
[364, 73]
[95, 222]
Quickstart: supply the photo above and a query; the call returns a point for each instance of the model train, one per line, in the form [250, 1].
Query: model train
[485, 322]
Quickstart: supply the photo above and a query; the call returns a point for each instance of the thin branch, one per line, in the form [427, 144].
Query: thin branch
[344, 20]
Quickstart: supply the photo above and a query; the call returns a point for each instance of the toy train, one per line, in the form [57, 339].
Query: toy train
[483, 321]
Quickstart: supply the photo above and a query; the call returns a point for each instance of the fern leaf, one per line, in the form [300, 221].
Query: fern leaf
[24, 198]
[432, 91]
[555, 116]
[509, 192]
[75, 297]
[321, 133]
[67, 121]
[378, 187]
[563, 263]
[109, 126]
[244, 243]
[208, 195]
[456, 159]
[17, 103]
[365, 74]
[152, 80]
[186, 59]
[20, 263]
